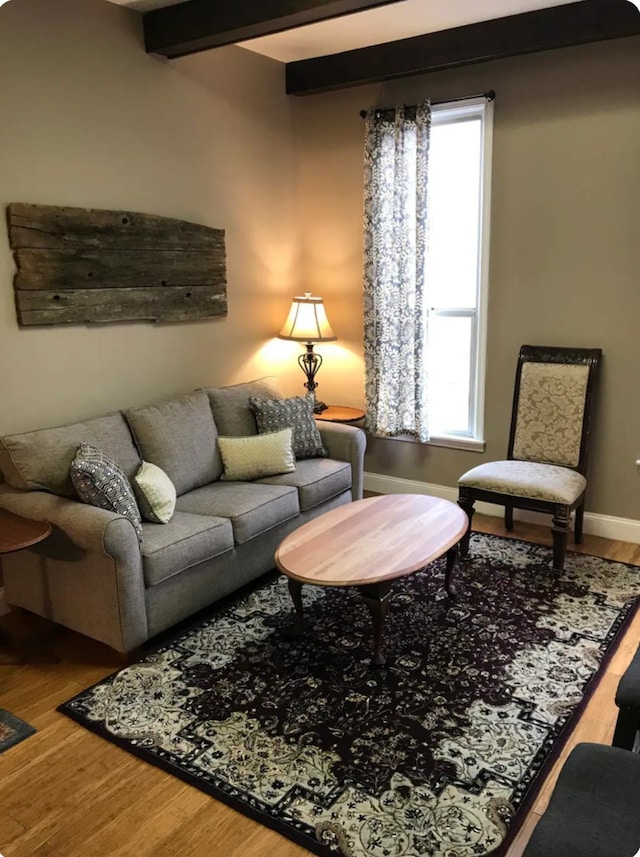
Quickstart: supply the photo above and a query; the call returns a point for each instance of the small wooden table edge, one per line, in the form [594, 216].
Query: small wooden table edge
[340, 414]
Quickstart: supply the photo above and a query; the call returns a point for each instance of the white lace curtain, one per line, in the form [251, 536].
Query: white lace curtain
[395, 312]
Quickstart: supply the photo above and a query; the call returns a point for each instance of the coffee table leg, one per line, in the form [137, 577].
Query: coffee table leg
[295, 590]
[452, 555]
[376, 596]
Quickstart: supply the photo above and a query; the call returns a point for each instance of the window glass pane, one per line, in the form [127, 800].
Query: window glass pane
[450, 355]
[454, 212]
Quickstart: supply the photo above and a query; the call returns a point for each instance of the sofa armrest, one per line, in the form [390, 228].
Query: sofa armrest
[346, 443]
[89, 527]
[87, 575]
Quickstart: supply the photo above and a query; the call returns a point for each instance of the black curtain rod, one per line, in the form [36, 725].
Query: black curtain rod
[490, 95]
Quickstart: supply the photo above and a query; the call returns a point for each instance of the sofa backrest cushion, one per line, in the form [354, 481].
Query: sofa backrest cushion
[230, 405]
[41, 459]
[180, 436]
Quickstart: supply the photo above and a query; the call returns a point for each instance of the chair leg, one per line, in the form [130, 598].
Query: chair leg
[508, 518]
[465, 501]
[627, 726]
[560, 531]
[578, 523]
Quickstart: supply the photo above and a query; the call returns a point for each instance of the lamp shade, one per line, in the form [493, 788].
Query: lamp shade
[307, 321]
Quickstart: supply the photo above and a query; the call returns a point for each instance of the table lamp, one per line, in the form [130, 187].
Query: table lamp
[307, 322]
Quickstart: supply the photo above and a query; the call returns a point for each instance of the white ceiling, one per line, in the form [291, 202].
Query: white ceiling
[375, 26]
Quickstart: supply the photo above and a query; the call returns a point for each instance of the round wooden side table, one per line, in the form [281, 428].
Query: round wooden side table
[341, 414]
[17, 533]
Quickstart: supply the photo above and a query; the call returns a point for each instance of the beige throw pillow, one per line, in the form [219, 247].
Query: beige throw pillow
[256, 456]
[155, 493]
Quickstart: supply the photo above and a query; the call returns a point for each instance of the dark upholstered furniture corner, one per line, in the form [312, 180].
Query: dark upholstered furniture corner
[628, 702]
[594, 810]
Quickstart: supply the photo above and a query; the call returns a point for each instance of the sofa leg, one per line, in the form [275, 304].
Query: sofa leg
[125, 659]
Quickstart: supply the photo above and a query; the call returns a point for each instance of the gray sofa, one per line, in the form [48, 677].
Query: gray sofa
[93, 574]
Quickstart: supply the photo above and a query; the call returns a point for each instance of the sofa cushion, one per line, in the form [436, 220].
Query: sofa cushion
[230, 405]
[179, 435]
[155, 493]
[317, 480]
[41, 459]
[255, 456]
[182, 543]
[100, 482]
[295, 412]
[252, 508]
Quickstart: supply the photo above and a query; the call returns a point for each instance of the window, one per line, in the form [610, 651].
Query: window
[457, 269]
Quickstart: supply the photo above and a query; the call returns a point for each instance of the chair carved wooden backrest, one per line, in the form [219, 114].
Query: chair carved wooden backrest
[552, 405]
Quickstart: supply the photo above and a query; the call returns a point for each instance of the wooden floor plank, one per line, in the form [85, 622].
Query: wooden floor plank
[65, 792]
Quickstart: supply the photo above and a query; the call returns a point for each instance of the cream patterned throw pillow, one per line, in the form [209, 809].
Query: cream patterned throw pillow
[99, 481]
[257, 456]
[155, 493]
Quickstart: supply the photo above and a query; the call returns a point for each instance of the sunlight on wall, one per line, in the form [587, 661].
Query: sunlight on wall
[341, 370]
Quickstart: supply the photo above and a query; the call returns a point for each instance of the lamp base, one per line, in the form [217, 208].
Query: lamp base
[319, 407]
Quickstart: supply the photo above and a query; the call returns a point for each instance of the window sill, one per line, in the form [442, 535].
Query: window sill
[468, 444]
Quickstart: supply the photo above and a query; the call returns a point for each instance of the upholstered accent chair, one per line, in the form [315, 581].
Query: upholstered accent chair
[546, 464]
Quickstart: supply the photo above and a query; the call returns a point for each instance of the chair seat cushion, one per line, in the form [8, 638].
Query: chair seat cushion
[253, 508]
[595, 807]
[527, 479]
[317, 480]
[183, 542]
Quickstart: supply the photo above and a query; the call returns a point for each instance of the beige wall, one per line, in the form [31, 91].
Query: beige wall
[88, 119]
[565, 253]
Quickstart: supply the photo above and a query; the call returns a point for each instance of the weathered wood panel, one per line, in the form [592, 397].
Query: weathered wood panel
[78, 265]
[56, 227]
[85, 269]
[99, 306]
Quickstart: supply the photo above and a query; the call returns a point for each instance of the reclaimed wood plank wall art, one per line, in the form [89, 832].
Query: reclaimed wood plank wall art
[78, 265]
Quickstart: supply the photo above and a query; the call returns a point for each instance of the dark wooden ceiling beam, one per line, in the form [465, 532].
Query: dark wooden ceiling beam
[529, 32]
[199, 25]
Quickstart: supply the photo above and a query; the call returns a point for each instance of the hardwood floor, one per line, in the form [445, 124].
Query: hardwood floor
[67, 793]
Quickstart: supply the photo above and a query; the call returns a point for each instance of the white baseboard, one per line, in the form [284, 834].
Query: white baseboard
[620, 529]
[4, 607]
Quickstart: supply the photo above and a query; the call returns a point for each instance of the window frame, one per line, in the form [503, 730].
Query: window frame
[458, 111]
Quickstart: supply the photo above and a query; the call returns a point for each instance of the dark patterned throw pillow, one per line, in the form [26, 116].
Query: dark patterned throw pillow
[296, 413]
[99, 481]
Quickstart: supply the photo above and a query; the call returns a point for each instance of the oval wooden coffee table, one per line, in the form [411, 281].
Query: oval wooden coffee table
[369, 544]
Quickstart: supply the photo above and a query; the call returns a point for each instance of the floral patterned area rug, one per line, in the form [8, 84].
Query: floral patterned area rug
[434, 755]
[12, 730]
